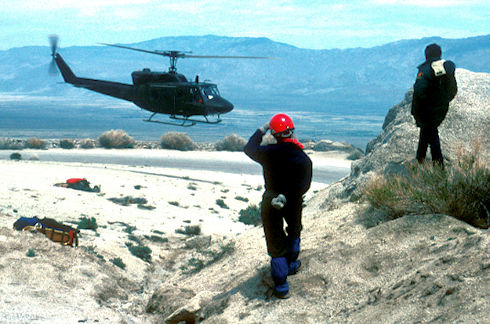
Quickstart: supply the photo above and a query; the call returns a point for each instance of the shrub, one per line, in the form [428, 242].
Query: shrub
[177, 141]
[240, 198]
[211, 256]
[87, 223]
[15, 156]
[116, 139]
[30, 253]
[134, 239]
[462, 191]
[11, 144]
[190, 230]
[140, 251]
[91, 249]
[232, 143]
[36, 143]
[128, 228]
[222, 204]
[250, 215]
[87, 143]
[156, 238]
[67, 144]
[118, 262]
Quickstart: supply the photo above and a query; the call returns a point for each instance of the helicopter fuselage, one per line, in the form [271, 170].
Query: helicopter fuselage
[159, 92]
[171, 93]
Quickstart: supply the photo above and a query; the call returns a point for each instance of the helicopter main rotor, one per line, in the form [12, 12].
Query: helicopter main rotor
[174, 55]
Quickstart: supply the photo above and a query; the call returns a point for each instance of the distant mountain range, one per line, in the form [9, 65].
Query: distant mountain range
[358, 79]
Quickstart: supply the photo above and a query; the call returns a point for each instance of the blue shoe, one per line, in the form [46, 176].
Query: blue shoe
[282, 295]
[294, 267]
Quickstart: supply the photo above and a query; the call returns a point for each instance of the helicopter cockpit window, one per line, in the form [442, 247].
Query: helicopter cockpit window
[196, 94]
[210, 92]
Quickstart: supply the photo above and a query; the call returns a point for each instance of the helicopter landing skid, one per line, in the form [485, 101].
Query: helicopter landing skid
[184, 120]
[182, 124]
[194, 121]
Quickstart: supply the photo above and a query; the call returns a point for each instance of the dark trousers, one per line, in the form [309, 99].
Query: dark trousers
[279, 242]
[429, 136]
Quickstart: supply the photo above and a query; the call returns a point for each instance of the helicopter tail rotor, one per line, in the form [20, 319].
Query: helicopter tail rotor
[53, 42]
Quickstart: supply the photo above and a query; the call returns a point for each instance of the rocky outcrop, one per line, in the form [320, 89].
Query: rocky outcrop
[466, 126]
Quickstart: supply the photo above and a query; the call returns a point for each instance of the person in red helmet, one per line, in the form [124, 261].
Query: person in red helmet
[287, 174]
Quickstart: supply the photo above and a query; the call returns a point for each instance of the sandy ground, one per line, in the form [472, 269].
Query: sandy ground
[419, 268]
[176, 197]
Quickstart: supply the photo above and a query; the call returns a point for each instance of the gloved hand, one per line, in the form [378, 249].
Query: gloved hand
[279, 201]
[264, 128]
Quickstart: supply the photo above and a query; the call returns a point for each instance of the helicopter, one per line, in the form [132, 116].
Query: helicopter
[167, 93]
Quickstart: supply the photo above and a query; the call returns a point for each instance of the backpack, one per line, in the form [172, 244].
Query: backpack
[58, 232]
[55, 231]
[443, 81]
[26, 223]
[79, 184]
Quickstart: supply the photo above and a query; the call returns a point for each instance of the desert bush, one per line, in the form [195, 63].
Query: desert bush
[30, 253]
[177, 141]
[189, 230]
[118, 262]
[116, 139]
[87, 223]
[222, 204]
[134, 239]
[87, 143]
[240, 198]
[91, 249]
[209, 256]
[15, 156]
[36, 143]
[250, 215]
[140, 251]
[128, 228]
[232, 143]
[461, 191]
[156, 238]
[67, 144]
[11, 144]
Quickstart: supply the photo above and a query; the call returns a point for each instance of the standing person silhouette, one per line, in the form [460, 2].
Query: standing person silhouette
[434, 88]
[287, 174]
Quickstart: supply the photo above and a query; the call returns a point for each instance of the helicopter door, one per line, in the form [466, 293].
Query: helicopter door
[164, 98]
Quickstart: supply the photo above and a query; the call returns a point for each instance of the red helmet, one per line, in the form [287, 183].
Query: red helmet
[281, 123]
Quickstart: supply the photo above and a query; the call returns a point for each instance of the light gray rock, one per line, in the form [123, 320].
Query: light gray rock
[467, 125]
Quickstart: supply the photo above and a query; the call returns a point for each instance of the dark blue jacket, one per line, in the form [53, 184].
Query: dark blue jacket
[287, 169]
[432, 94]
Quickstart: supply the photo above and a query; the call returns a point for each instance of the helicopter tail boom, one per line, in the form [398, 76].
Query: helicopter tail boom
[113, 89]
[65, 70]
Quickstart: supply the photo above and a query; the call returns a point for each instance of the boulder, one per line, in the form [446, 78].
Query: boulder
[464, 129]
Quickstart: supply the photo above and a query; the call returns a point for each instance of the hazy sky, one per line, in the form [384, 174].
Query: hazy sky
[303, 23]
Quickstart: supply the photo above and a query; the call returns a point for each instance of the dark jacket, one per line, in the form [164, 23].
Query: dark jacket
[287, 169]
[432, 94]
